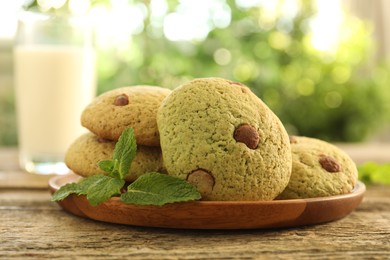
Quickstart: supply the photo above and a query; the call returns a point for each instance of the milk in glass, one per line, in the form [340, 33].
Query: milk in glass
[54, 68]
[53, 86]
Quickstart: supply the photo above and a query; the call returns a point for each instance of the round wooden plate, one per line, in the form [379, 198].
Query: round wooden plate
[214, 214]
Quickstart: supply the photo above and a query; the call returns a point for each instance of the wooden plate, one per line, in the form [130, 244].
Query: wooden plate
[214, 214]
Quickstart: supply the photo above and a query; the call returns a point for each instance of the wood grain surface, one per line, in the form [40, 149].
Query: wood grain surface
[32, 227]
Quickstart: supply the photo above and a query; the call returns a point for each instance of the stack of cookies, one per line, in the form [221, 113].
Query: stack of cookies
[217, 135]
[106, 118]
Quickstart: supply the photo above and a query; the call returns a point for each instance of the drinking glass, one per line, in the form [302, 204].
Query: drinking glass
[54, 65]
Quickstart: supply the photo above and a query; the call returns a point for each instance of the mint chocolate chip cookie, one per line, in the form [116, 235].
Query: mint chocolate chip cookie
[221, 137]
[319, 169]
[115, 110]
[84, 153]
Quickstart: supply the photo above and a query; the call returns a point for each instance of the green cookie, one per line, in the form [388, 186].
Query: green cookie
[221, 137]
[88, 149]
[319, 169]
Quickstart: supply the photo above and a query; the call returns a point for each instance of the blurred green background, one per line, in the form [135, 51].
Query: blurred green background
[321, 83]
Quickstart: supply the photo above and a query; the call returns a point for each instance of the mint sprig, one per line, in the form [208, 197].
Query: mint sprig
[158, 189]
[97, 188]
[149, 189]
[124, 153]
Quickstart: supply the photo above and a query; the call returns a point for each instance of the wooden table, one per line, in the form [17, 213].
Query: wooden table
[33, 227]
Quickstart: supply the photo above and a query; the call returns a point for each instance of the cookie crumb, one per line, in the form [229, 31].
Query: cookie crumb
[329, 164]
[248, 135]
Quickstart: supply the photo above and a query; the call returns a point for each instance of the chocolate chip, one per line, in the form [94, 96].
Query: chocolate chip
[329, 164]
[102, 140]
[244, 89]
[124, 188]
[293, 139]
[203, 180]
[248, 135]
[121, 100]
[235, 83]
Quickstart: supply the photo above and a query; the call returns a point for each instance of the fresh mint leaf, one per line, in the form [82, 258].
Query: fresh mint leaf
[107, 166]
[149, 189]
[97, 188]
[65, 191]
[374, 173]
[100, 188]
[159, 189]
[124, 152]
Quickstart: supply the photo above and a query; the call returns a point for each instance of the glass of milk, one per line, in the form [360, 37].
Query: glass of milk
[54, 64]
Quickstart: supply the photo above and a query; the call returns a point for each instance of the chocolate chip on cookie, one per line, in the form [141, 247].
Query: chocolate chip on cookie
[203, 181]
[244, 89]
[121, 100]
[248, 135]
[329, 164]
[235, 83]
[102, 140]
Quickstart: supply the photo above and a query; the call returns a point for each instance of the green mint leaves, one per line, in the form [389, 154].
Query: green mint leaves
[158, 189]
[97, 188]
[124, 153]
[149, 189]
